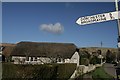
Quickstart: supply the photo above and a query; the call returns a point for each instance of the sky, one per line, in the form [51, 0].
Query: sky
[55, 22]
[0, 22]
[58, 0]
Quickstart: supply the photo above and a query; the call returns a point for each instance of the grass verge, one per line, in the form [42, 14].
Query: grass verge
[100, 74]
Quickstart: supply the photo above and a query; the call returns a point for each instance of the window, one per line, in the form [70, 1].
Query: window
[59, 59]
[35, 59]
[31, 59]
[27, 58]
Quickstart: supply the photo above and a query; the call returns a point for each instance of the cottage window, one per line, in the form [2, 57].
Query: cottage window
[27, 58]
[31, 59]
[59, 59]
[35, 59]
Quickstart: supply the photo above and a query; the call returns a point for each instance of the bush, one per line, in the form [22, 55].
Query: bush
[110, 57]
[95, 60]
[84, 61]
[85, 54]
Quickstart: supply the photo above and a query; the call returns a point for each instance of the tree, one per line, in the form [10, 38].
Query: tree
[118, 54]
[95, 60]
[84, 57]
[85, 54]
[85, 61]
[110, 57]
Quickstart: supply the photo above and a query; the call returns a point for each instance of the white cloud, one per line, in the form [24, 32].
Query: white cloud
[56, 28]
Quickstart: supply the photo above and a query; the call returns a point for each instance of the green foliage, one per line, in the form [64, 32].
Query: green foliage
[110, 57]
[100, 74]
[84, 61]
[36, 72]
[95, 60]
[85, 54]
[97, 74]
[84, 58]
[118, 55]
[9, 59]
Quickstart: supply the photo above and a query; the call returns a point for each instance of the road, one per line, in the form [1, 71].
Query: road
[110, 69]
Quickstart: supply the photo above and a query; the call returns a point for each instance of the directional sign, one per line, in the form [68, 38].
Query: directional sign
[98, 18]
[118, 44]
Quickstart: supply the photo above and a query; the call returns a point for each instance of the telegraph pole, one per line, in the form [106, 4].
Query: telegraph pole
[101, 44]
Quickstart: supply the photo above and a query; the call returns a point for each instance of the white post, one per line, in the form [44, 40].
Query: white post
[116, 6]
[118, 23]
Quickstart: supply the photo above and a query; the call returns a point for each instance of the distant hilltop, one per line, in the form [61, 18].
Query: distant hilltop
[92, 50]
[7, 44]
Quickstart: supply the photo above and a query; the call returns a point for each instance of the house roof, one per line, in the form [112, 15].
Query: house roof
[7, 48]
[64, 50]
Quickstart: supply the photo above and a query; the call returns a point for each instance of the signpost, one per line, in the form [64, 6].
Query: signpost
[101, 18]
[98, 18]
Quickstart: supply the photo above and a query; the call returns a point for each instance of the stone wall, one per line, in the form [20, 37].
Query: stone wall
[82, 69]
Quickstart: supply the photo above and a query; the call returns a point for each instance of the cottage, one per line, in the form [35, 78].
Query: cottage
[40, 53]
[6, 49]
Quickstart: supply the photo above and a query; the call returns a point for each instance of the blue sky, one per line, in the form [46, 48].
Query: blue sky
[55, 22]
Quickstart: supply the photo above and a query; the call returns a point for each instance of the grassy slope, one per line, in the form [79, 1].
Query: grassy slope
[100, 74]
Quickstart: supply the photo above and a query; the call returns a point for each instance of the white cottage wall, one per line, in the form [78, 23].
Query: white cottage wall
[75, 58]
[18, 59]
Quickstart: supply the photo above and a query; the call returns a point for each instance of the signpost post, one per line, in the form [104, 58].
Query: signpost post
[118, 21]
[118, 55]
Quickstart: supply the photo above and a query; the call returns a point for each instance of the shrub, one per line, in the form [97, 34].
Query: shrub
[84, 61]
[95, 60]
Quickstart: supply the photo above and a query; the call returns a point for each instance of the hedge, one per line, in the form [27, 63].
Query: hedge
[36, 72]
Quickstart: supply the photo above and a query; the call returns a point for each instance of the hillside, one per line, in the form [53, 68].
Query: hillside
[91, 50]
[7, 44]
